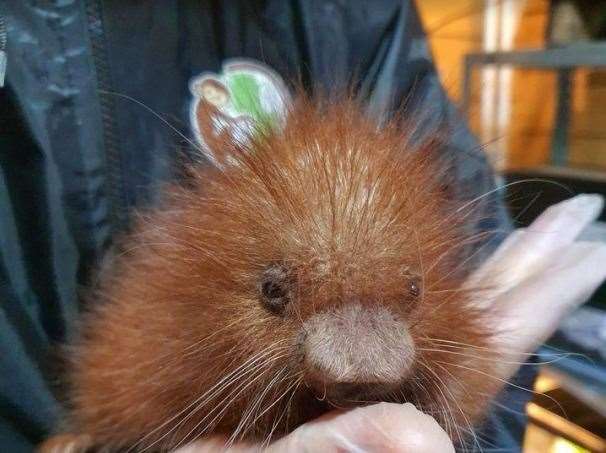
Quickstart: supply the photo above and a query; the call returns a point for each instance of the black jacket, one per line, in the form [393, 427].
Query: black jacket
[75, 159]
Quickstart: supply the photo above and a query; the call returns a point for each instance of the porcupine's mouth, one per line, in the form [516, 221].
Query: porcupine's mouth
[350, 395]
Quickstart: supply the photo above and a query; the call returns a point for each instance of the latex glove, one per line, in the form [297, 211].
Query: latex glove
[539, 274]
[384, 427]
[536, 277]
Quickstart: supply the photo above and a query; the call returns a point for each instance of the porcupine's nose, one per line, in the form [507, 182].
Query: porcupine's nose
[357, 352]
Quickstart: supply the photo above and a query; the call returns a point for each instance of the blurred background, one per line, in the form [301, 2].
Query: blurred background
[530, 75]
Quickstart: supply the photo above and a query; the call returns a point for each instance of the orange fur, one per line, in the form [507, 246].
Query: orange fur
[352, 209]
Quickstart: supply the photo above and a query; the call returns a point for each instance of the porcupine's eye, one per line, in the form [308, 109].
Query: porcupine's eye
[414, 287]
[274, 288]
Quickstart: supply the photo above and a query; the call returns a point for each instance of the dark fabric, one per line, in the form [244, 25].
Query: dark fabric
[78, 151]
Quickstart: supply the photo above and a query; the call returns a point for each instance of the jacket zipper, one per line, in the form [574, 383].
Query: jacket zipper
[3, 57]
[115, 173]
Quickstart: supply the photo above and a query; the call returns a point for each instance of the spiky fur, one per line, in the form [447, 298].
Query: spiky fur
[353, 210]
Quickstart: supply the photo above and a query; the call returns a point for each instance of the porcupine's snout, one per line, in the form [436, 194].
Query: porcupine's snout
[356, 353]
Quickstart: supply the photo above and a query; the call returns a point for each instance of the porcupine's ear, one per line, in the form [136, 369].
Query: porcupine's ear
[227, 109]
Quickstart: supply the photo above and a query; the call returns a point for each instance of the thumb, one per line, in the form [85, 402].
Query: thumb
[383, 427]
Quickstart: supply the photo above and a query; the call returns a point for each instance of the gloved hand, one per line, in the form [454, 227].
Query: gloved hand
[536, 276]
[539, 274]
[384, 427]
